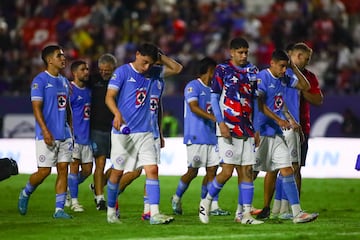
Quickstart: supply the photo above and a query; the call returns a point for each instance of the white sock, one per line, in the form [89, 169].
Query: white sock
[214, 205]
[296, 209]
[154, 209]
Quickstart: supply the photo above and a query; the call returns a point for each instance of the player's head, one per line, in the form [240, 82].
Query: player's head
[146, 56]
[300, 55]
[80, 70]
[53, 55]
[239, 50]
[106, 65]
[206, 68]
[279, 62]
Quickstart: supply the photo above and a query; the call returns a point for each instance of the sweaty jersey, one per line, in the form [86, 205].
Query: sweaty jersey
[237, 97]
[156, 91]
[80, 99]
[53, 92]
[305, 105]
[198, 130]
[133, 99]
[273, 91]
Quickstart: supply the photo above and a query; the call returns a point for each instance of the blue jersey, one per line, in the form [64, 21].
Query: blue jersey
[273, 91]
[80, 100]
[54, 93]
[237, 96]
[133, 99]
[292, 97]
[198, 130]
[156, 91]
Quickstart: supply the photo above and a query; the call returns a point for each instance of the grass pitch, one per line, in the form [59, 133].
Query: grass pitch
[337, 201]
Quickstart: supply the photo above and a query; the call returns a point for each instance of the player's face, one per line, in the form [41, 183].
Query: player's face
[239, 56]
[302, 59]
[82, 73]
[106, 70]
[143, 63]
[278, 68]
[57, 60]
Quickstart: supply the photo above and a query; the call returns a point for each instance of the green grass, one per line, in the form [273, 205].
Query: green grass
[337, 201]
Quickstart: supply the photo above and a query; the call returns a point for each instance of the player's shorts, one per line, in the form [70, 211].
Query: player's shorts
[130, 152]
[272, 154]
[83, 153]
[49, 156]
[202, 155]
[100, 143]
[237, 151]
[292, 139]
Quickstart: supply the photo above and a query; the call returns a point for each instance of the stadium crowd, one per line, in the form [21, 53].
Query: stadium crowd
[186, 30]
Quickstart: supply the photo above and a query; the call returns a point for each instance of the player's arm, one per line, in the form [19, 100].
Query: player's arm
[224, 129]
[39, 117]
[160, 116]
[313, 98]
[171, 66]
[303, 84]
[69, 118]
[110, 101]
[194, 107]
[283, 124]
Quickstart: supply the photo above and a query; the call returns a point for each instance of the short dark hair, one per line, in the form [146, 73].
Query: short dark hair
[74, 66]
[204, 64]
[48, 50]
[279, 55]
[239, 42]
[149, 49]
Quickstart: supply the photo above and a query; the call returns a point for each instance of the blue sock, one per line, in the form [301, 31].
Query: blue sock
[247, 192]
[29, 189]
[81, 178]
[278, 187]
[73, 185]
[112, 190]
[153, 191]
[181, 188]
[290, 188]
[215, 188]
[204, 191]
[60, 200]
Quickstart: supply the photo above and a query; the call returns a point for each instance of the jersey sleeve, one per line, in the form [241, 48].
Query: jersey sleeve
[37, 89]
[217, 80]
[191, 92]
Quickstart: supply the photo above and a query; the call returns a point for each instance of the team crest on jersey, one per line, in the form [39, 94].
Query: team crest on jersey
[278, 103]
[140, 97]
[87, 111]
[189, 89]
[61, 101]
[208, 108]
[154, 103]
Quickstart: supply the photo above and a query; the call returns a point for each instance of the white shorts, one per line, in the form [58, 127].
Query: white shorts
[130, 152]
[238, 151]
[272, 154]
[48, 156]
[83, 153]
[202, 155]
[292, 139]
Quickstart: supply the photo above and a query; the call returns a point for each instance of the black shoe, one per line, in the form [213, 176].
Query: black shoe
[14, 167]
[264, 214]
[101, 205]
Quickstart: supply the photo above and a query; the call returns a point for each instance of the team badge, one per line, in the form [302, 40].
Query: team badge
[61, 101]
[140, 97]
[154, 103]
[87, 111]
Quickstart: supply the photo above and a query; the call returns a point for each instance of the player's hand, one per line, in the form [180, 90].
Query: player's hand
[224, 130]
[117, 122]
[284, 124]
[48, 138]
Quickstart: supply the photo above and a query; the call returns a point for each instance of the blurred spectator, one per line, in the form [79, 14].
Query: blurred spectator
[169, 125]
[351, 124]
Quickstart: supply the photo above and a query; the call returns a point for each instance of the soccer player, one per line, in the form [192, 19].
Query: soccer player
[156, 91]
[273, 152]
[232, 98]
[100, 123]
[199, 135]
[53, 129]
[128, 98]
[80, 99]
[301, 55]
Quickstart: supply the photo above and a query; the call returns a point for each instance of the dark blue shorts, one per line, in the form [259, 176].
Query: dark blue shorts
[100, 143]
